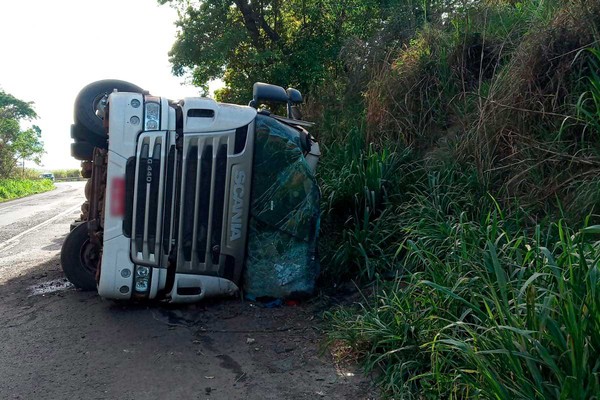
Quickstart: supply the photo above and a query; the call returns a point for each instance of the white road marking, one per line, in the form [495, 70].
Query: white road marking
[15, 239]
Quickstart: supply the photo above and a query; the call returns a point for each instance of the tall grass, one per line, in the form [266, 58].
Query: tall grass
[15, 188]
[531, 328]
[588, 105]
[360, 187]
[483, 308]
[460, 203]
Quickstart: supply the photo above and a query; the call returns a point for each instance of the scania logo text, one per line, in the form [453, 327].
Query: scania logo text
[238, 205]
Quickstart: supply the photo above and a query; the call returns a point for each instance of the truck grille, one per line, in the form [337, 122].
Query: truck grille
[182, 201]
[148, 201]
[204, 175]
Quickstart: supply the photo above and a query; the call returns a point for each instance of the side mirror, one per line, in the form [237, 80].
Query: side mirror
[266, 92]
[294, 95]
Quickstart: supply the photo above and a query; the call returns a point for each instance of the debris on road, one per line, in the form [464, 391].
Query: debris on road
[52, 286]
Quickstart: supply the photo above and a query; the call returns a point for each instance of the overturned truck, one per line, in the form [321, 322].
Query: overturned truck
[193, 198]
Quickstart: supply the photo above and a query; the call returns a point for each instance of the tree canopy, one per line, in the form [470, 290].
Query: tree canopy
[16, 143]
[289, 43]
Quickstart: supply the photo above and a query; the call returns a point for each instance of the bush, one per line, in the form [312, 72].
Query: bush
[407, 98]
[15, 188]
[525, 132]
[67, 174]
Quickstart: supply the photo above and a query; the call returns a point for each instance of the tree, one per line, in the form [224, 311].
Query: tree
[293, 42]
[289, 43]
[16, 143]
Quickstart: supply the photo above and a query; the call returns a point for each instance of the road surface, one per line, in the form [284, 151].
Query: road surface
[32, 228]
[61, 343]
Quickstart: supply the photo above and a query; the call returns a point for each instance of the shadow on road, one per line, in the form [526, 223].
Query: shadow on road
[55, 245]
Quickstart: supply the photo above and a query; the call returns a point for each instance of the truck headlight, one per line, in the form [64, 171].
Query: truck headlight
[142, 272]
[142, 279]
[151, 116]
[141, 284]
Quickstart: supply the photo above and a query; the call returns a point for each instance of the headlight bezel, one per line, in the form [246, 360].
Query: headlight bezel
[142, 279]
[152, 115]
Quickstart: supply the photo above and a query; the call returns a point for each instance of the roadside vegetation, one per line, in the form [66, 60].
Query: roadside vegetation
[15, 188]
[16, 146]
[465, 206]
[460, 179]
[72, 174]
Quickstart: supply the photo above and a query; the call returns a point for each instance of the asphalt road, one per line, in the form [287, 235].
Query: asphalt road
[61, 343]
[33, 228]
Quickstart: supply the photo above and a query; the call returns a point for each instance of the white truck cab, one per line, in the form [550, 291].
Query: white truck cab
[169, 193]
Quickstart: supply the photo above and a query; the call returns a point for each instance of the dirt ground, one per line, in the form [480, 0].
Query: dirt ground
[70, 344]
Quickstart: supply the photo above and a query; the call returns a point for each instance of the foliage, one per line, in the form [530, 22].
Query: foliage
[15, 188]
[26, 174]
[507, 315]
[359, 227]
[526, 134]
[478, 295]
[289, 43]
[405, 98]
[485, 309]
[588, 105]
[16, 143]
[74, 173]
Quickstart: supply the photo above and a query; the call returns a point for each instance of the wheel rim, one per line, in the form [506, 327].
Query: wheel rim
[89, 257]
[95, 103]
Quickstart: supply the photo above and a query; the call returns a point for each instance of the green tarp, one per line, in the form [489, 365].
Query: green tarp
[282, 248]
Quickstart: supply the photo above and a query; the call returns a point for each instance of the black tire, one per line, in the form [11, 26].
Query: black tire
[76, 258]
[81, 134]
[88, 98]
[82, 151]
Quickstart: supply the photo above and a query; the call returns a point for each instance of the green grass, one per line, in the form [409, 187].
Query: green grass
[15, 188]
[471, 301]
[465, 196]
[588, 105]
[359, 185]
[481, 308]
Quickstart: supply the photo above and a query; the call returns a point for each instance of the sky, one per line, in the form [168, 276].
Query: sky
[50, 49]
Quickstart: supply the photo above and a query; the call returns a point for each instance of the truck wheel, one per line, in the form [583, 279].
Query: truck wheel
[79, 259]
[89, 98]
[82, 151]
[83, 135]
